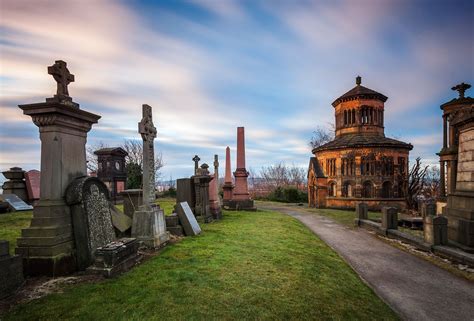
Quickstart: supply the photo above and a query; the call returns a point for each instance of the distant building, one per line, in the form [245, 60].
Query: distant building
[111, 170]
[360, 164]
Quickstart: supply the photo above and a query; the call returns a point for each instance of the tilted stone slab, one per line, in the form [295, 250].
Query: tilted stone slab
[188, 220]
[88, 198]
[15, 202]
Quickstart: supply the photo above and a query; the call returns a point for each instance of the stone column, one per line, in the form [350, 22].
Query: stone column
[228, 186]
[241, 187]
[47, 245]
[442, 180]
[149, 224]
[445, 132]
[214, 202]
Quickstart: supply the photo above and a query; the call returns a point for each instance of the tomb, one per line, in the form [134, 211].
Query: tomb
[111, 170]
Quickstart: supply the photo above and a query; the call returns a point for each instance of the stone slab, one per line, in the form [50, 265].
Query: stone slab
[149, 226]
[120, 221]
[15, 202]
[4, 248]
[11, 274]
[188, 220]
[32, 179]
[185, 192]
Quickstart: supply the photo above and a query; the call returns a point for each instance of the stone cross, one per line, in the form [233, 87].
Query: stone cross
[62, 76]
[461, 88]
[216, 167]
[196, 160]
[148, 132]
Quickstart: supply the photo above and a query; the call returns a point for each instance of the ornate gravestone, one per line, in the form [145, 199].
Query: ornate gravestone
[201, 189]
[88, 198]
[47, 246]
[15, 183]
[149, 224]
[214, 199]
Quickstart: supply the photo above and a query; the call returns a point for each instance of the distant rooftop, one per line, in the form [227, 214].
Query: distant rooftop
[360, 91]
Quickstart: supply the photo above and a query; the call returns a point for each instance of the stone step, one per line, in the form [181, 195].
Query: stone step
[175, 230]
[172, 220]
[46, 231]
[28, 249]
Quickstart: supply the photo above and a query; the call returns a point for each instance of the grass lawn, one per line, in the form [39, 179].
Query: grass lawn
[11, 225]
[344, 217]
[249, 266]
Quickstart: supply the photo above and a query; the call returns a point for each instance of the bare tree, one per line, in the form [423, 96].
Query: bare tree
[416, 183]
[321, 136]
[297, 176]
[275, 175]
[91, 158]
[431, 189]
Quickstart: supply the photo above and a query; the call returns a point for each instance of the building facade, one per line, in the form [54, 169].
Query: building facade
[360, 164]
[111, 170]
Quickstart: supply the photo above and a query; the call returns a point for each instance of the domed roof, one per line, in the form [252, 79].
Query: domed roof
[360, 91]
[361, 140]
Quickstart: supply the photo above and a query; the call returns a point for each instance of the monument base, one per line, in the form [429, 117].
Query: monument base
[149, 226]
[240, 205]
[460, 214]
[216, 210]
[47, 245]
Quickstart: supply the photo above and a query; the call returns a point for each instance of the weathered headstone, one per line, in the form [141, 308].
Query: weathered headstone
[435, 230]
[115, 257]
[11, 270]
[185, 192]
[15, 203]
[201, 189]
[389, 218]
[149, 225]
[33, 181]
[15, 183]
[362, 211]
[88, 198]
[188, 220]
[47, 246]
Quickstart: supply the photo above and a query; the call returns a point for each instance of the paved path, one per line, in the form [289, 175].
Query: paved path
[413, 287]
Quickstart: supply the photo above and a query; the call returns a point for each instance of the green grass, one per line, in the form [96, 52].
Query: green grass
[249, 266]
[344, 217]
[11, 225]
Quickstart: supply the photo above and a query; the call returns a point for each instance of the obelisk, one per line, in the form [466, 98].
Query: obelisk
[149, 225]
[228, 186]
[47, 245]
[241, 196]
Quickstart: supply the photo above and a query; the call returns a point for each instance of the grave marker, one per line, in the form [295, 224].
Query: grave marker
[187, 218]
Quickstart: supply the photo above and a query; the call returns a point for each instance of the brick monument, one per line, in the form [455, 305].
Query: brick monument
[228, 187]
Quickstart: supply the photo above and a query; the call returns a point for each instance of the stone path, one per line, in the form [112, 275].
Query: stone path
[413, 287]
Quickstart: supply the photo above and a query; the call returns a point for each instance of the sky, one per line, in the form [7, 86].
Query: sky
[209, 66]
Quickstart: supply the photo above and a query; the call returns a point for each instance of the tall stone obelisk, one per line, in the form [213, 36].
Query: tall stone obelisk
[47, 246]
[149, 224]
[241, 197]
[228, 186]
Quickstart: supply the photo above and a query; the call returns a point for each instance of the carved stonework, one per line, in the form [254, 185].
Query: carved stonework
[148, 132]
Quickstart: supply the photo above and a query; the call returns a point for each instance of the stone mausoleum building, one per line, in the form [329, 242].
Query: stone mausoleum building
[111, 170]
[360, 164]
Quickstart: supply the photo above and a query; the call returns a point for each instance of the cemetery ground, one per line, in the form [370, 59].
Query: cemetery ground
[250, 265]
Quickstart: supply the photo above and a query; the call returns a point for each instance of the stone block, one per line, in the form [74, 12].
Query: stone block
[176, 230]
[185, 192]
[172, 220]
[390, 218]
[4, 248]
[187, 219]
[362, 211]
[132, 200]
[88, 198]
[11, 274]
[15, 203]
[435, 230]
[115, 257]
[120, 221]
[428, 209]
[149, 226]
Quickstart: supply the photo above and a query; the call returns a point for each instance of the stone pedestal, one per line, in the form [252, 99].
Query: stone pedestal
[362, 210]
[389, 218]
[435, 230]
[185, 192]
[428, 209]
[202, 209]
[228, 187]
[132, 200]
[47, 245]
[15, 183]
[214, 202]
[11, 270]
[149, 226]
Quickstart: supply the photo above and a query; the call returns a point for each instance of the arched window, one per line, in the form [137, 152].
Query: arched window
[332, 189]
[368, 189]
[387, 190]
[353, 116]
[345, 117]
[347, 189]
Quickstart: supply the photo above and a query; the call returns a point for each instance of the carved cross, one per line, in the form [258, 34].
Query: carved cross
[196, 160]
[145, 126]
[461, 88]
[62, 76]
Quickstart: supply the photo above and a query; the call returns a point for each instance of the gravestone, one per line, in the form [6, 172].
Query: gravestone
[201, 181]
[115, 257]
[362, 211]
[214, 199]
[435, 230]
[389, 218]
[32, 179]
[188, 220]
[149, 225]
[132, 200]
[11, 270]
[120, 221]
[15, 203]
[88, 198]
[15, 183]
[185, 192]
